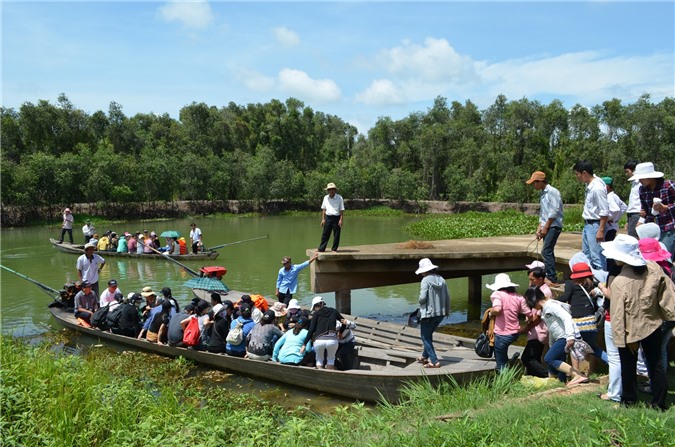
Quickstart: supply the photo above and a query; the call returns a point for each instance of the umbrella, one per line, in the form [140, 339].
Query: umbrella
[170, 233]
[210, 284]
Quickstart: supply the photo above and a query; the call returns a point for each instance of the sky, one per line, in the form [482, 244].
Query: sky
[356, 60]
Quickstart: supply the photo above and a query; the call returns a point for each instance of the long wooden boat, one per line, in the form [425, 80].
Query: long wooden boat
[386, 360]
[79, 249]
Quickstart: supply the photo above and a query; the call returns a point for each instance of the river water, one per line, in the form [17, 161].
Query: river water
[252, 266]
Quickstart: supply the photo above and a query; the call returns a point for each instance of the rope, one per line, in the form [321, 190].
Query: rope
[537, 254]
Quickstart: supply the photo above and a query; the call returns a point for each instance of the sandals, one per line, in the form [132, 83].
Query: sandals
[432, 365]
[422, 360]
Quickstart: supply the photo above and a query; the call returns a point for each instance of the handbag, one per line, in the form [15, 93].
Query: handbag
[414, 318]
[482, 346]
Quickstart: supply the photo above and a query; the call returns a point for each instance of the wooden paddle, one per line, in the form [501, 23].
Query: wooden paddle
[44, 287]
[238, 242]
[166, 255]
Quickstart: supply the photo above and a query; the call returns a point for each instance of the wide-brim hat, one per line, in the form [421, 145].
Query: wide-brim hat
[147, 291]
[649, 230]
[625, 249]
[425, 265]
[279, 309]
[645, 170]
[331, 186]
[293, 304]
[502, 281]
[652, 250]
[581, 270]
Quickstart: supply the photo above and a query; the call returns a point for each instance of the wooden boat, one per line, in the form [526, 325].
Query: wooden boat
[386, 360]
[79, 249]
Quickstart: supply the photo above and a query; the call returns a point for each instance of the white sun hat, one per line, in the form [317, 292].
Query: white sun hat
[502, 280]
[648, 230]
[625, 249]
[425, 265]
[645, 170]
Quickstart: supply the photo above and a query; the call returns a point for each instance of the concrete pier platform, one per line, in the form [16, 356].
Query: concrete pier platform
[366, 266]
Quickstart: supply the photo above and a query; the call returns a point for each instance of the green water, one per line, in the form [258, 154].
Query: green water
[252, 266]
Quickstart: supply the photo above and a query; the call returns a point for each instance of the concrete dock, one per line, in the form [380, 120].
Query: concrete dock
[367, 266]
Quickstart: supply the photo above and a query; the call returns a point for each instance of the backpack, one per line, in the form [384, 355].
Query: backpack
[99, 318]
[236, 335]
[113, 318]
[191, 333]
[482, 347]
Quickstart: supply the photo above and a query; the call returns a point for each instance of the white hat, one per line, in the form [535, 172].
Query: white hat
[649, 229]
[535, 264]
[625, 249]
[645, 170]
[425, 265]
[502, 280]
[89, 245]
[217, 308]
[130, 295]
[600, 275]
[316, 300]
[293, 304]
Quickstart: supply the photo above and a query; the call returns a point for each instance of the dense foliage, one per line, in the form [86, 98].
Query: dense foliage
[133, 399]
[57, 153]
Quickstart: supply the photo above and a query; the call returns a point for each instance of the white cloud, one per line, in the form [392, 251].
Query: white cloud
[435, 61]
[286, 37]
[192, 14]
[382, 92]
[254, 81]
[297, 83]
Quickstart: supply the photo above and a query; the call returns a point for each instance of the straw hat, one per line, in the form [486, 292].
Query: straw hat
[331, 186]
[425, 265]
[279, 309]
[502, 281]
[147, 291]
[625, 249]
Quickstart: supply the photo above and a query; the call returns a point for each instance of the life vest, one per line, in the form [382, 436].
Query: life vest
[183, 246]
[260, 302]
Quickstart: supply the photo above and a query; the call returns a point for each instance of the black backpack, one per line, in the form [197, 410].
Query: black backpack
[113, 318]
[100, 318]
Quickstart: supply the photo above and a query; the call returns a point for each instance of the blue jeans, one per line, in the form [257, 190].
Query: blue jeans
[555, 357]
[547, 252]
[502, 343]
[427, 328]
[591, 247]
[668, 239]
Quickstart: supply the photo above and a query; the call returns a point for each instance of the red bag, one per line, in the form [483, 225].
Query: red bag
[191, 333]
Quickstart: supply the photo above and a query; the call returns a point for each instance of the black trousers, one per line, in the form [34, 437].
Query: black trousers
[285, 297]
[331, 225]
[532, 359]
[63, 233]
[657, 375]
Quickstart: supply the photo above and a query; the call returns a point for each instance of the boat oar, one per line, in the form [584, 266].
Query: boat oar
[238, 242]
[166, 255]
[44, 287]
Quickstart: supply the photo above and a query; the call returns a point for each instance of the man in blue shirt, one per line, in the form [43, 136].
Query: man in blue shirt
[287, 280]
[550, 221]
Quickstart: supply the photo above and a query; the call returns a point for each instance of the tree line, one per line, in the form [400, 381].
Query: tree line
[59, 154]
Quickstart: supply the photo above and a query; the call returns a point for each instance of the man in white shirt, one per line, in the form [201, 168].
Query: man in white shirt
[88, 266]
[88, 231]
[195, 237]
[595, 214]
[110, 295]
[633, 211]
[616, 209]
[332, 211]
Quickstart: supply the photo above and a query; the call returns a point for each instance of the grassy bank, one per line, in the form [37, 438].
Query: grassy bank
[53, 399]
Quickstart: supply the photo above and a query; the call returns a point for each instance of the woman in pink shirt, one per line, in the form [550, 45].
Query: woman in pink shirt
[507, 304]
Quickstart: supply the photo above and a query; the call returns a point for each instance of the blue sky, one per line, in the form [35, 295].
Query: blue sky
[359, 61]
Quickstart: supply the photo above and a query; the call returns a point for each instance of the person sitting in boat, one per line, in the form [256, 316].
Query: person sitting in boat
[68, 293]
[157, 307]
[86, 302]
[256, 312]
[177, 325]
[155, 240]
[111, 294]
[182, 246]
[114, 240]
[280, 313]
[150, 302]
[156, 326]
[167, 296]
[103, 242]
[287, 350]
[129, 322]
[175, 246]
[247, 323]
[293, 312]
[222, 319]
[260, 341]
[122, 244]
[323, 333]
[94, 240]
[148, 245]
[131, 243]
[346, 352]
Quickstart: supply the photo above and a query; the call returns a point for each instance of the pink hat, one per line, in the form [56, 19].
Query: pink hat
[652, 251]
[67, 210]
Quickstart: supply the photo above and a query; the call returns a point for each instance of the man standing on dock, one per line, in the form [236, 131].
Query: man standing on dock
[287, 280]
[332, 211]
[550, 221]
[595, 214]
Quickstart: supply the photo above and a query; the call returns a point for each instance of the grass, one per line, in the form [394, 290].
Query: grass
[135, 399]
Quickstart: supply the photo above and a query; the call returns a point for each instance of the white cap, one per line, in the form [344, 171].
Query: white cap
[217, 308]
[535, 264]
[316, 300]
[293, 304]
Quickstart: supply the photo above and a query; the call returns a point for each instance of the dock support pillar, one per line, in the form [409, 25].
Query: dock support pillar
[343, 301]
[475, 297]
